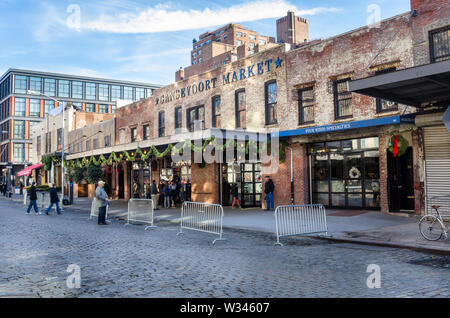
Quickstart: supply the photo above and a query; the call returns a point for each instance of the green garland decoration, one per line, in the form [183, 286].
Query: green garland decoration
[251, 145]
[402, 144]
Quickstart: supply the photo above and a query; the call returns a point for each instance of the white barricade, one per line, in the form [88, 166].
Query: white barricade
[43, 200]
[202, 217]
[140, 211]
[94, 210]
[294, 220]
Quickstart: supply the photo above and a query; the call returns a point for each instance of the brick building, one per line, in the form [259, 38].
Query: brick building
[349, 150]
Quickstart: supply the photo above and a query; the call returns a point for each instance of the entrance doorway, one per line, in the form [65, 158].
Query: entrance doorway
[121, 183]
[401, 182]
[247, 177]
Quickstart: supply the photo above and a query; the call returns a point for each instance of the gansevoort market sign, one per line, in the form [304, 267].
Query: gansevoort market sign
[231, 77]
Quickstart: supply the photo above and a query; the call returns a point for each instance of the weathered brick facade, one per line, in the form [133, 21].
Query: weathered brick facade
[315, 64]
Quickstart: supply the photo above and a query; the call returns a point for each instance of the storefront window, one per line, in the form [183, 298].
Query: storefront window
[344, 175]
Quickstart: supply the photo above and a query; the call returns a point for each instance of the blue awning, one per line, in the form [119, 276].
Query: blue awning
[409, 119]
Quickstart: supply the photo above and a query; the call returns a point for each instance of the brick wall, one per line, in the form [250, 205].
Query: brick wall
[432, 15]
[136, 115]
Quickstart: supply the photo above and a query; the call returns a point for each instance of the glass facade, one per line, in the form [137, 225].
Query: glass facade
[50, 87]
[140, 93]
[346, 174]
[36, 84]
[77, 90]
[91, 91]
[35, 107]
[103, 92]
[48, 106]
[20, 84]
[19, 129]
[90, 107]
[19, 152]
[115, 93]
[128, 93]
[63, 88]
[19, 107]
[103, 108]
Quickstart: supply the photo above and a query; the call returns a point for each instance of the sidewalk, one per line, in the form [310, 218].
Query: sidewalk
[363, 227]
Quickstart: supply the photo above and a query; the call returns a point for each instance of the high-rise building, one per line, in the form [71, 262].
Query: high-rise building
[223, 46]
[292, 29]
[26, 97]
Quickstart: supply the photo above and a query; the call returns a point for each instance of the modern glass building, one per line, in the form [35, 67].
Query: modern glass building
[20, 109]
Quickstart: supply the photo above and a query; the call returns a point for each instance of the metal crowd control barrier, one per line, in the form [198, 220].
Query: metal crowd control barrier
[291, 220]
[94, 210]
[43, 200]
[140, 211]
[202, 217]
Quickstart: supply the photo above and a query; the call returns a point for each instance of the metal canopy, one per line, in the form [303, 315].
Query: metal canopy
[417, 86]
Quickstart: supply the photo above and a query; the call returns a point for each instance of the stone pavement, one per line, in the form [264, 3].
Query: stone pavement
[119, 261]
[365, 227]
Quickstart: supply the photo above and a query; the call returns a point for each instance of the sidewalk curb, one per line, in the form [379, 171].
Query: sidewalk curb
[385, 244]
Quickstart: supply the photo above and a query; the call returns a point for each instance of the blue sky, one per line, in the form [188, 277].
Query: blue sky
[148, 40]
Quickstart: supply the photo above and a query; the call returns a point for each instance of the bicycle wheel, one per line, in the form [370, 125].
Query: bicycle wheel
[430, 228]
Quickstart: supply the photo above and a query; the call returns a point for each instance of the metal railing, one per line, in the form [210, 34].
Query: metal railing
[94, 210]
[202, 217]
[43, 200]
[291, 220]
[140, 211]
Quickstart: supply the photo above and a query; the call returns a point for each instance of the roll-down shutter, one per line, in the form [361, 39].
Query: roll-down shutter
[437, 165]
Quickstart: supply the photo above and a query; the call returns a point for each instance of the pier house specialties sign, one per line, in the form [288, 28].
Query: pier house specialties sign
[230, 77]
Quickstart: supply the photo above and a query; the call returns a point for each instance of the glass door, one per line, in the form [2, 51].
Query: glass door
[354, 180]
[248, 179]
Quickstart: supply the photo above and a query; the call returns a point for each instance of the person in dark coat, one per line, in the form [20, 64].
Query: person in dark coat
[33, 200]
[54, 199]
[269, 187]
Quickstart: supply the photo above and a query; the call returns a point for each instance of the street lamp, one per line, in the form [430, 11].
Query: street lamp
[30, 92]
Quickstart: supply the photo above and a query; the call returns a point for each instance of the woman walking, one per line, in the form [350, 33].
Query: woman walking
[235, 193]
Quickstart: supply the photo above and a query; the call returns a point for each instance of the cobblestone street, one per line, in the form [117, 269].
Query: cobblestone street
[119, 261]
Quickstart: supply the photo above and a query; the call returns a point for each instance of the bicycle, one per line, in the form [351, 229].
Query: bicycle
[432, 226]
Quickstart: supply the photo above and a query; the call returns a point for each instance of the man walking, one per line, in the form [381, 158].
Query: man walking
[54, 199]
[269, 187]
[33, 200]
[102, 198]
[154, 192]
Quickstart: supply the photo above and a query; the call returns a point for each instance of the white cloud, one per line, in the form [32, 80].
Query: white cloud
[146, 57]
[164, 18]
